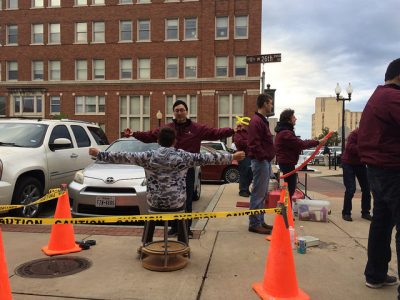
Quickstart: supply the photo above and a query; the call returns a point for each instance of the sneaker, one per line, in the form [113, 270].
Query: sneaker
[347, 218]
[390, 280]
[266, 226]
[172, 232]
[367, 217]
[244, 194]
[260, 229]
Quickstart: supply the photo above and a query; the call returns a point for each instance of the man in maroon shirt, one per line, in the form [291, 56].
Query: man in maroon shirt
[288, 147]
[379, 148]
[352, 168]
[189, 135]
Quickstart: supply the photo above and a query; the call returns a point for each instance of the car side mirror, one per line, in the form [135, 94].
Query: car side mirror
[60, 143]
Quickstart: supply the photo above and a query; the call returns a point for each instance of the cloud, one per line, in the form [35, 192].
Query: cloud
[325, 42]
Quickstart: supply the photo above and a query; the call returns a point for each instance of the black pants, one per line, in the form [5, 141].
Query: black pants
[291, 180]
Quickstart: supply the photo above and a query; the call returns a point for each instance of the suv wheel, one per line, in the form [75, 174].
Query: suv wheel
[27, 190]
[231, 174]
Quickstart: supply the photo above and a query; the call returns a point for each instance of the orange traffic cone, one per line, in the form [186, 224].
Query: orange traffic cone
[5, 290]
[62, 240]
[280, 281]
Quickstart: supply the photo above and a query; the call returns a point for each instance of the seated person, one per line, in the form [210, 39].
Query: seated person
[166, 169]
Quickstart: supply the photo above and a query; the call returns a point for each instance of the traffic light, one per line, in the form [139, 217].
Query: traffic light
[271, 92]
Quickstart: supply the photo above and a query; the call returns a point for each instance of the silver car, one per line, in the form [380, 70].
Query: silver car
[112, 189]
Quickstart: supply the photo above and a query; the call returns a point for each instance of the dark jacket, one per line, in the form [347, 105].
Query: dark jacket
[379, 131]
[350, 155]
[240, 139]
[260, 144]
[188, 135]
[288, 146]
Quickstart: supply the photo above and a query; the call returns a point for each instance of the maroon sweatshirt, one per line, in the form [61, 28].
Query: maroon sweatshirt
[260, 144]
[379, 131]
[288, 146]
[188, 135]
[240, 139]
[350, 155]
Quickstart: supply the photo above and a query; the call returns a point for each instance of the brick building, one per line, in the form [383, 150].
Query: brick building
[119, 62]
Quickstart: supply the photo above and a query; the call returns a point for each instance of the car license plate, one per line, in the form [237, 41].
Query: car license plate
[105, 201]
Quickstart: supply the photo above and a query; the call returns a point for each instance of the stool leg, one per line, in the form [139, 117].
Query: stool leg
[165, 243]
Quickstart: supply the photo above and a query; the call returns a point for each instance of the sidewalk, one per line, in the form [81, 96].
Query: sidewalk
[225, 261]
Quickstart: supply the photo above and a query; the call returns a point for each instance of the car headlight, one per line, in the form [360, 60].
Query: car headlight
[79, 177]
[1, 168]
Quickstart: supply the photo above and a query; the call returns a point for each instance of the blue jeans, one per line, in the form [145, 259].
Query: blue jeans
[246, 175]
[385, 187]
[350, 173]
[261, 174]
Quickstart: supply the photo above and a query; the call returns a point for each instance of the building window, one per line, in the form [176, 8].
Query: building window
[55, 104]
[97, 2]
[190, 67]
[37, 70]
[172, 29]
[12, 34]
[144, 68]
[125, 31]
[37, 34]
[12, 70]
[98, 32]
[28, 105]
[241, 24]
[54, 70]
[221, 27]
[80, 2]
[81, 70]
[98, 69]
[12, 4]
[221, 66]
[125, 2]
[134, 112]
[2, 106]
[80, 33]
[229, 106]
[54, 34]
[240, 66]
[190, 28]
[54, 3]
[90, 105]
[143, 30]
[191, 101]
[37, 3]
[125, 68]
[143, 1]
[171, 67]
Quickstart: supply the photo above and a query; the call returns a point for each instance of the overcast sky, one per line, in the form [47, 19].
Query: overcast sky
[325, 42]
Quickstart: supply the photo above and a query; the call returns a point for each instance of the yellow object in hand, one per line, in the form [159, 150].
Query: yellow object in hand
[243, 120]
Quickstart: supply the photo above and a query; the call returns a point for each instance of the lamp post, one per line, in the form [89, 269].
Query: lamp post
[159, 117]
[349, 91]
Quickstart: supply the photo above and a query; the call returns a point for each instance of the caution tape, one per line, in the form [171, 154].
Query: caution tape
[53, 193]
[137, 218]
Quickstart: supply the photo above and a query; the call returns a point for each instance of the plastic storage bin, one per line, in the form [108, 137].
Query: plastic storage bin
[313, 210]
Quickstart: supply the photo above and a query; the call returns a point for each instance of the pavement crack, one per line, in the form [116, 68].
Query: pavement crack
[208, 265]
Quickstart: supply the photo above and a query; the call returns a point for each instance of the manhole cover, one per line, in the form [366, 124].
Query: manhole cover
[53, 267]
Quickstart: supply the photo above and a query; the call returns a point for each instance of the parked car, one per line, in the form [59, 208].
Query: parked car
[318, 158]
[114, 189]
[226, 173]
[217, 145]
[37, 155]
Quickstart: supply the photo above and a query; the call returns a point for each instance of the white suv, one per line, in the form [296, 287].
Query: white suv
[37, 155]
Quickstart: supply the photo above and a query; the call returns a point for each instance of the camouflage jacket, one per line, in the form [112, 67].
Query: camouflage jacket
[166, 170]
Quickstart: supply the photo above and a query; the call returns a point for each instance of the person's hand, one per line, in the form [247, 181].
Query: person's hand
[239, 155]
[322, 142]
[128, 132]
[93, 152]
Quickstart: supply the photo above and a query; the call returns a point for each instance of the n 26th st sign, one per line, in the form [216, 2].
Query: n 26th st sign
[264, 58]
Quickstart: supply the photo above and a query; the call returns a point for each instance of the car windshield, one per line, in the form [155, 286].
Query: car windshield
[29, 135]
[130, 145]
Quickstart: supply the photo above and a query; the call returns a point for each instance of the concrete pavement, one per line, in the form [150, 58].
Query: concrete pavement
[225, 261]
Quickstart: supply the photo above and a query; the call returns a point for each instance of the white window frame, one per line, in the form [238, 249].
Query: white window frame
[231, 114]
[9, 64]
[186, 66]
[124, 2]
[38, 105]
[98, 35]
[238, 37]
[98, 105]
[53, 99]
[37, 32]
[99, 72]
[77, 71]
[98, 2]
[120, 31]
[177, 29]
[81, 36]
[37, 66]
[243, 57]
[37, 3]
[226, 66]
[143, 116]
[12, 4]
[54, 33]
[195, 37]
[8, 35]
[141, 70]
[52, 70]
[167, 64]
[216, 28]
[139, 30]
[122, 62]
[54, 3]
[80, 3]
[191, 102]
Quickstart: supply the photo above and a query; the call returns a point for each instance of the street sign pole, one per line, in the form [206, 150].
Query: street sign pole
[262, 79]
[263, 59]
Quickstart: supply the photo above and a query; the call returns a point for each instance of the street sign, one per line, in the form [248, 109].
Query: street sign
[263, 58]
